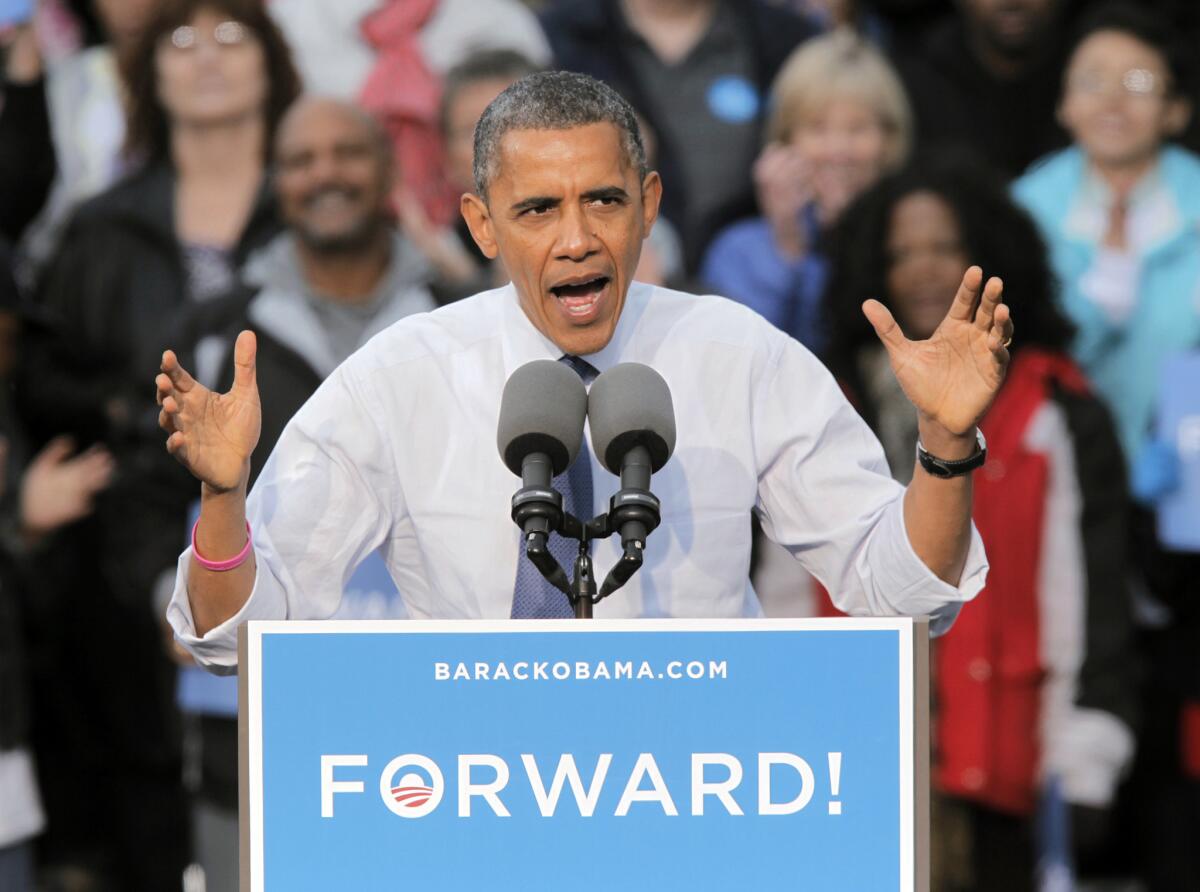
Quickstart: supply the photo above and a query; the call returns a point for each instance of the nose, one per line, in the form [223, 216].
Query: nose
[323, 167]
[207, 52]
[576, 240]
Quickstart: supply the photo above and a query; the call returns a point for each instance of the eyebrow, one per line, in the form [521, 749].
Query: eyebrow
[537, 201]
[547, 201]
[606, 192]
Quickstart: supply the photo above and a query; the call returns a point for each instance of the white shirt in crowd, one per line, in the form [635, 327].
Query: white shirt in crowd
[397, 451]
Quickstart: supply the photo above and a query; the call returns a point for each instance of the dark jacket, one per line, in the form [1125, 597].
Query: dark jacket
[587, 36]
[14, 697]
[959, 104]
[114, 292]
[26, 156]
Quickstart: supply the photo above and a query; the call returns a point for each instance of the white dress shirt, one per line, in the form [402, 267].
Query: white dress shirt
[397, 451]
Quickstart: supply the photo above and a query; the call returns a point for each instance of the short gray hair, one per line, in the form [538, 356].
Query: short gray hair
[553, 100]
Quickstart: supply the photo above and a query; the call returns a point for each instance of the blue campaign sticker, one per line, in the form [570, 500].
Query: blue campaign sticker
[764, 759]
[733, 99]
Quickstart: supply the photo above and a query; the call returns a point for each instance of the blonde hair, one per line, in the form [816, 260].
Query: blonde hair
[840, 65]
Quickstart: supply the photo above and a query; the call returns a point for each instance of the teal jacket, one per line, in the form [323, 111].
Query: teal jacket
[1123, 360]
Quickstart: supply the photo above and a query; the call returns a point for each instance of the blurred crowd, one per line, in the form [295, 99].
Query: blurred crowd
[174, 171]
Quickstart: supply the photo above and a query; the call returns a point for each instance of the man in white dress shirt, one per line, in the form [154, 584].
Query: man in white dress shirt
[396, 451]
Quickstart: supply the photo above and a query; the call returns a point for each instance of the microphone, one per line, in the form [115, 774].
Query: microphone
[633, 434]
[542, 411]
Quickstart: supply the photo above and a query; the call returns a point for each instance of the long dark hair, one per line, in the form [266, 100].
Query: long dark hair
[147, 127]
[996, 234]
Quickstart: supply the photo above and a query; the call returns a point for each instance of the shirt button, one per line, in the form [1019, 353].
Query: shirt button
[973, 778]
[994, 469]
[979, 670]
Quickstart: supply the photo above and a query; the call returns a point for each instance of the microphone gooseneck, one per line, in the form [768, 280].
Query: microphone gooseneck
[540, 429]
[633, 432]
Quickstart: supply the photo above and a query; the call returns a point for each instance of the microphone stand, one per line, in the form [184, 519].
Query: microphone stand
[633, 511]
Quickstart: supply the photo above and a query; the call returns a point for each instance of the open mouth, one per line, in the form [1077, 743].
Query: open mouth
[580, 298]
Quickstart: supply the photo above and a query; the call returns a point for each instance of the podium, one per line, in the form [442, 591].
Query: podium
[600, 755]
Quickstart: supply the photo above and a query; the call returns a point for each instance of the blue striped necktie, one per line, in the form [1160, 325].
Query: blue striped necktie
[533, 596]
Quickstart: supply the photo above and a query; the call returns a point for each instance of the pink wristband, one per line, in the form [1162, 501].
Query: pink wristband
[221, 566]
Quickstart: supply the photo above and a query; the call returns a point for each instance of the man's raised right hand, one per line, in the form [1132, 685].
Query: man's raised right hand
[212, 434]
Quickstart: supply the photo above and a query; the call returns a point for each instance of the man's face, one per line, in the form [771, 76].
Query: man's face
[333, 176]
[1010, 26]
[567, 214]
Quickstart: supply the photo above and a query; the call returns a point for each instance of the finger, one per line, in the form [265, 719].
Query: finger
[162, 387]
[884, 323]
[963, 307]
[55, 452]
[95, 472]
[993, 293]
[1000, 335]
[179, 376]
[166, 420]
[244, 351]
[170, 405]
[99, 475]
[177, 446]
[1003, 323]
[999, 351]
[91, 454]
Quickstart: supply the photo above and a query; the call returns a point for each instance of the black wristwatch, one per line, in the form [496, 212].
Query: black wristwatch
[940, 467]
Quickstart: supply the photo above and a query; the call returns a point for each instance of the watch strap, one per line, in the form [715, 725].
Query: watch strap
[945, 468]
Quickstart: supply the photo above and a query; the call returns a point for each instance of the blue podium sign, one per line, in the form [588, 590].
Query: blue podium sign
[594, 755]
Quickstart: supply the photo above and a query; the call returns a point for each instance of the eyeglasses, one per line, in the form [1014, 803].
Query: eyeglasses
[187, 37]
[1134, 82]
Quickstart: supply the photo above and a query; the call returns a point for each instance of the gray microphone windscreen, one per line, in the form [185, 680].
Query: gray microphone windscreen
[630, 405]
[542, 410]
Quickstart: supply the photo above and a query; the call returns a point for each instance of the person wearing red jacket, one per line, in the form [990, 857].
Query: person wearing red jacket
[1034, 682]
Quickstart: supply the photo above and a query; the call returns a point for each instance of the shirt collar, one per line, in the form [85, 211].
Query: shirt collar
[524, 343]
[1153, 215]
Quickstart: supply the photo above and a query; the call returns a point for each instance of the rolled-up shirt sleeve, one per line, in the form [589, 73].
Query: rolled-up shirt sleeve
[325, 499]
[826, 495]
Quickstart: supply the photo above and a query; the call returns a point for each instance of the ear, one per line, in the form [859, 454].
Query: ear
[1177, 115]
[651, 199]
[479, 220]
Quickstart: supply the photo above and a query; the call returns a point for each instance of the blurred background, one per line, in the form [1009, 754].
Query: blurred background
[173, 171]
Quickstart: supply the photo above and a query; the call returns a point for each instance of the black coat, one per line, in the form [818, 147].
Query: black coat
[584, 36]
[960, 105]
[26, 156]
[114, 293]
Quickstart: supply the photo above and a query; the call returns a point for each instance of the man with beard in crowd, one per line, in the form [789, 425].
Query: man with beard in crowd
[339, 274]
[1004, 56]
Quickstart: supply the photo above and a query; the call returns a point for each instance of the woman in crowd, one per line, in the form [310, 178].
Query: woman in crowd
[1032, 685]
[207, 82]
[1121, 211]
[840, 119]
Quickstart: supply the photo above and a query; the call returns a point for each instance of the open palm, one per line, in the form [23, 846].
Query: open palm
[212, 434]
[953, 376]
